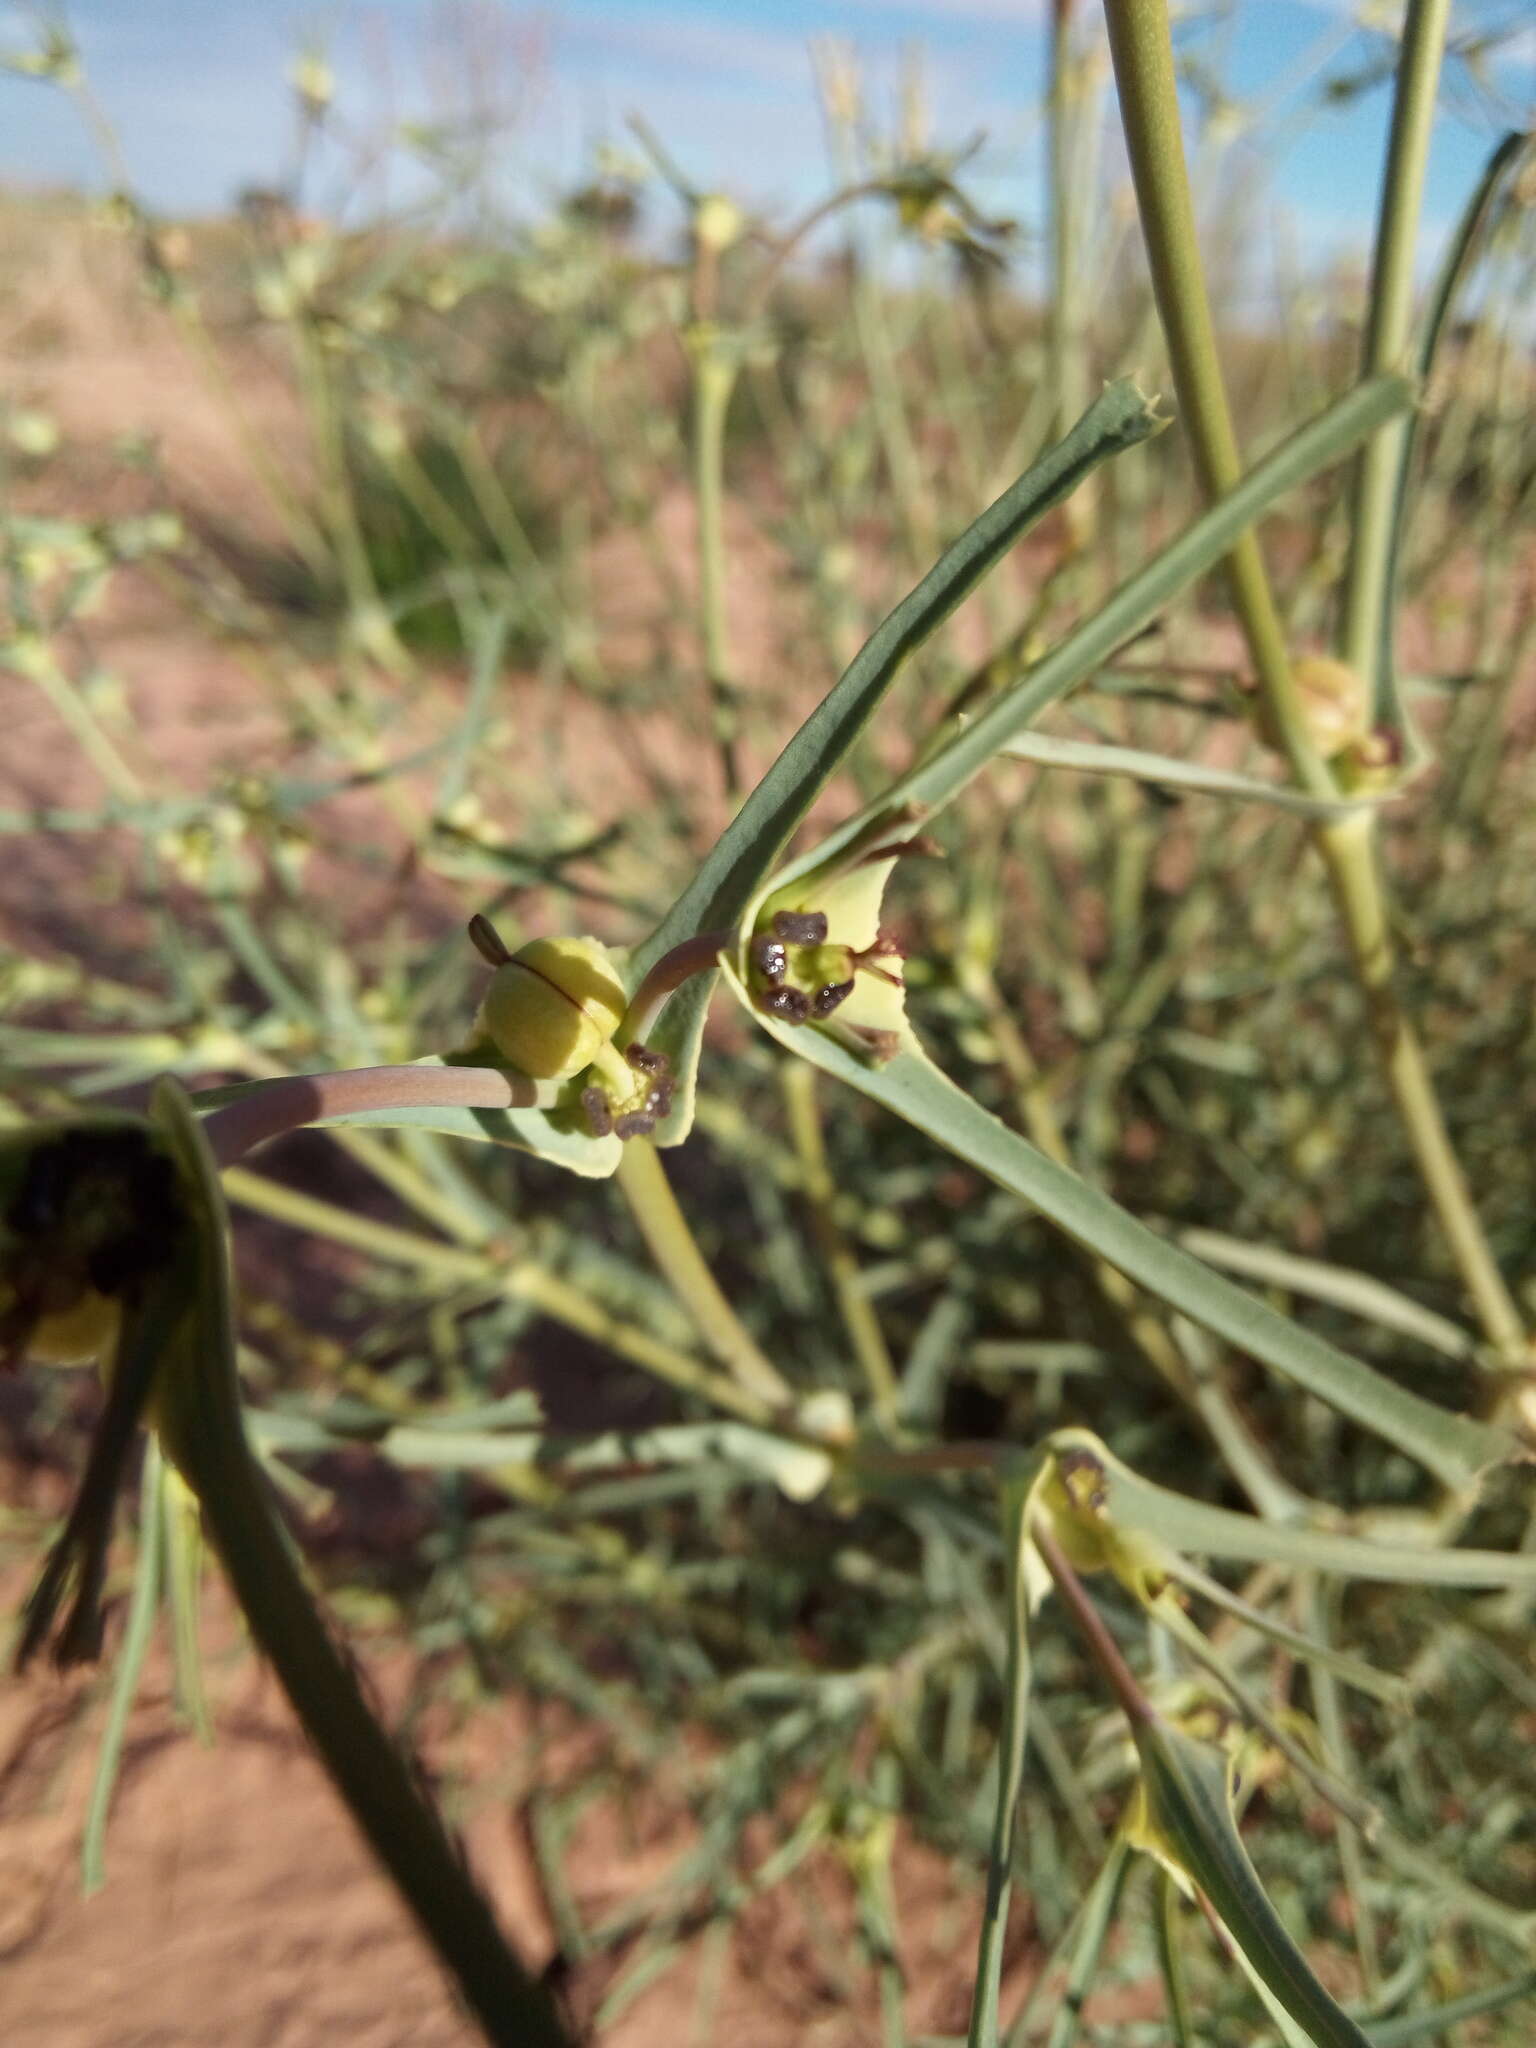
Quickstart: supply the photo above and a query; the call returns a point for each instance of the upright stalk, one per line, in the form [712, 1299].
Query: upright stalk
[1388, 336]
[714, 379]
[1142, 50]
[1071, 110]
[1144, 75]
[644, 1185]
[859, 1320]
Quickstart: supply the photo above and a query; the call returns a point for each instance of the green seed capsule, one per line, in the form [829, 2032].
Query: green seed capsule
[552, 1006]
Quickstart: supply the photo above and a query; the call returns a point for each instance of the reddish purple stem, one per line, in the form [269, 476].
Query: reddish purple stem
[299, 1099]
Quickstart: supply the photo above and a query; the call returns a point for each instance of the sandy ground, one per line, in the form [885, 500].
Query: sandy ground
[239, 1907]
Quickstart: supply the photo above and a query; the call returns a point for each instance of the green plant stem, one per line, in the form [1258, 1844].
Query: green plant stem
[871, 318]
[295, 1100]
[187, 317]
[1142, 50]
[48, 673]
[698, 955]
[1071, 132]
[643, 1182]
[1144, 72]
[370, 621]
[1349, 849]
[1365, 619]
[1011, 1740]
[714, 380]
[183, 1535]
[522, 1281]
[853, 1304]
[1333, 1728]
[1201, 1391]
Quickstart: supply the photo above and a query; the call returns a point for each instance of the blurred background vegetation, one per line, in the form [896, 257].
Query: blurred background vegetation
[358, 578]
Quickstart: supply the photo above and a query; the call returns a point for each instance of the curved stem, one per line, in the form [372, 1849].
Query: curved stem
[274, 1108]
[1091, 1626]
[698, 955]
[713, 366]
[762, 291]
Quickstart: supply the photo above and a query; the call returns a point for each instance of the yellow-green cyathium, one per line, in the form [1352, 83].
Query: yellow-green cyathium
[819, 954]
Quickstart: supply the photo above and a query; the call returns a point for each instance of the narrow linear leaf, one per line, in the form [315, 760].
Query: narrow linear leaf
[1352, 1671]
[1360, 1294]
[1463, 247]
[137, 1632]
[1170, 1957]
[561, 1142]
[487, 630]
[799, 1470]
[1454, 1447]
[1189, 1807]
[202, 1428]
[741, 859]
[1082, 1947]
[183, 1527]
[1200, 547]
[1424, 2026]
[1010, 1777]
[1137, 1504]
[1091, 757]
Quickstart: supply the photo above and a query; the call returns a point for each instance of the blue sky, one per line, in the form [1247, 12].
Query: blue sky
[197, 91]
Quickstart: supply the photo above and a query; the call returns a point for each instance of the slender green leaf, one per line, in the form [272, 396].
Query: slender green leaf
[1010, 1777]
[486, 629]
[1083, 1946]
[561, 1141]
[183, 1579]
[1353, 1671]
[943, 775]
[799, 1470]
[1170, 1957]
[1089, 757]
[1423, 2026]
[1463, 247]
[1190, 1810]
[202, 1429]
[1137, 1504]
[1454, 1447]
[126, 1673]
[1360, 1294]
[735, 869]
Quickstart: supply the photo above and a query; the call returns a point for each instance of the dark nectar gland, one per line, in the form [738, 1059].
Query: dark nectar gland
[770, 957]
[791, 1005]
[801, 927]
